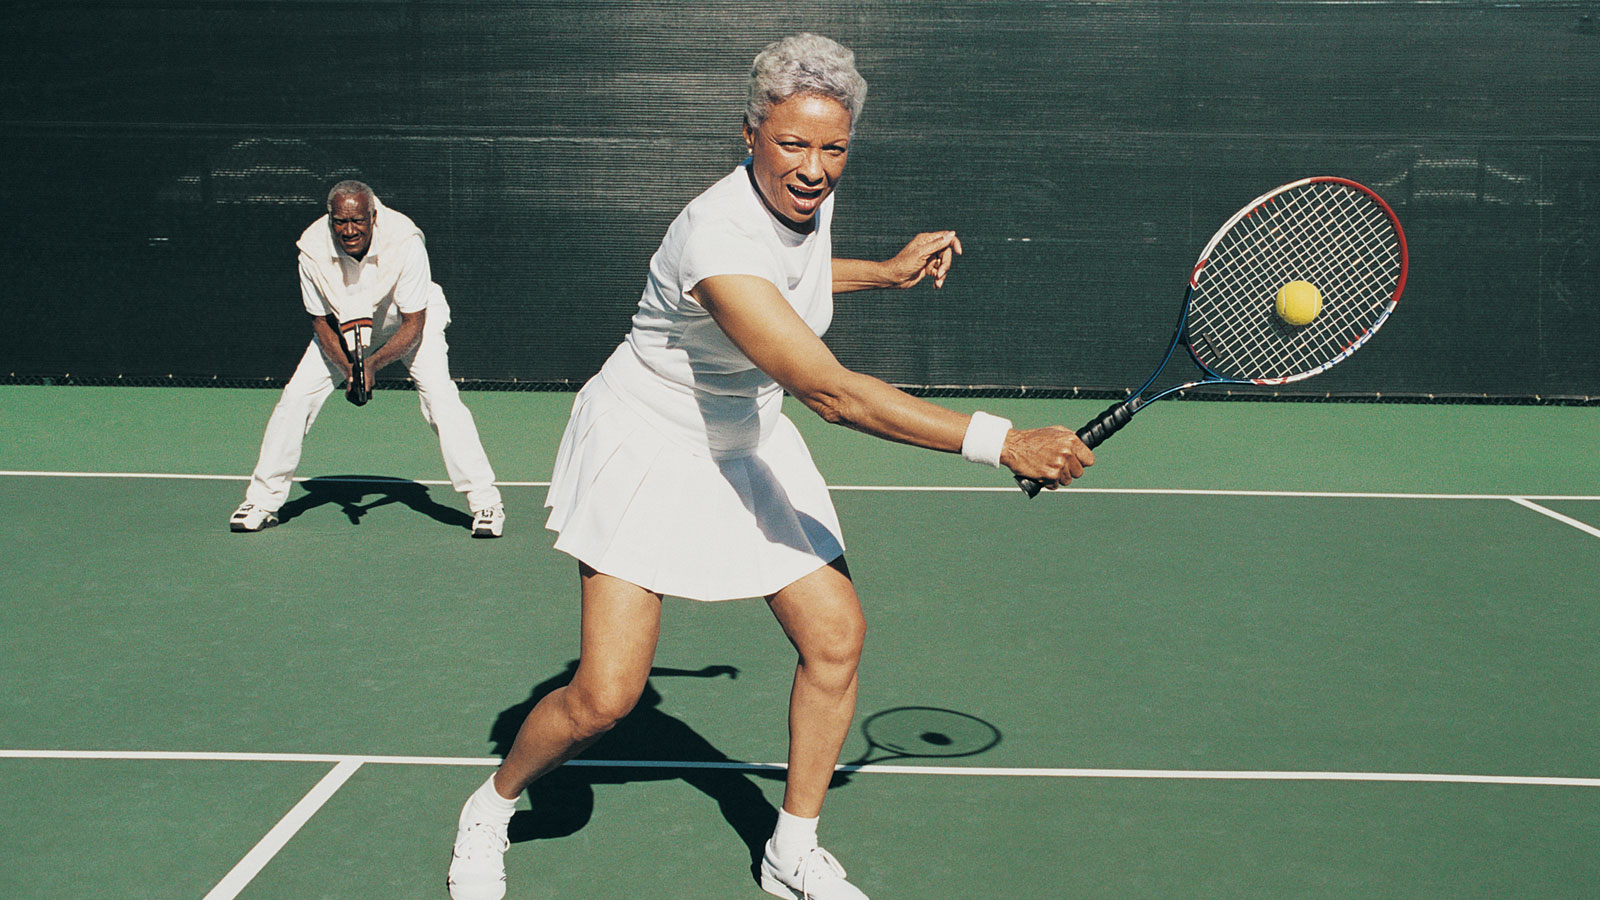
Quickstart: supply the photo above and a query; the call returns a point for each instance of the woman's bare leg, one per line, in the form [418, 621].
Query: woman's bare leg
[822, 617]
[621, 624]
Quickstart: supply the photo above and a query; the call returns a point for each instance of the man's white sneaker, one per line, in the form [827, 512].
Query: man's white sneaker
[477, 865]
[489, 522]
[249, 517]
[814, 876]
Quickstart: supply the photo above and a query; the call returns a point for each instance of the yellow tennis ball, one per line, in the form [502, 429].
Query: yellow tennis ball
[1299, 302]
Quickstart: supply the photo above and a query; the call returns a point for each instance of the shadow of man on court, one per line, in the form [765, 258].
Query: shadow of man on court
[350, 493]
[563, 801]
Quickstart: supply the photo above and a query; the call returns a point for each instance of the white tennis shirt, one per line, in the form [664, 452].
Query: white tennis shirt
[677, 366]
[394, 275]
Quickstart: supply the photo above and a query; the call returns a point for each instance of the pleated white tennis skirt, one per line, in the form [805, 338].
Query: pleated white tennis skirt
[638, 504]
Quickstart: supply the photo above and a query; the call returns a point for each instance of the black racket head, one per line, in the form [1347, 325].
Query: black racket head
[1333, 233]
[928, 731]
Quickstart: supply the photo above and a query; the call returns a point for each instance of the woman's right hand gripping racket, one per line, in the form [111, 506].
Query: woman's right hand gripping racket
[1288, 288]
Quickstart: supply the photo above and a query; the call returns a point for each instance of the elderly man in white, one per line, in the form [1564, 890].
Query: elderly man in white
[363, 260]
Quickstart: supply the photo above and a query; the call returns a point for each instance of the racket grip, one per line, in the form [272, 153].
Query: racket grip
[356, 390]
[1105, 425]
[356, 334]
[1093, 435]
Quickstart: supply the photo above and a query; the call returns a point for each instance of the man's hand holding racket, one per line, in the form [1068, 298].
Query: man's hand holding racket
[356, 337]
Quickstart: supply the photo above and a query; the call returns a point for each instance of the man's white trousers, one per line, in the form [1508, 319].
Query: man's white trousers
[313, 383]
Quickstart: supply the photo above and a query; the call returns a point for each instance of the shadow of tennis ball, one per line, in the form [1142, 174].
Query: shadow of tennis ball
[937, 738]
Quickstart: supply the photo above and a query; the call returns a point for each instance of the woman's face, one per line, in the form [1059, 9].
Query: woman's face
[798, 154]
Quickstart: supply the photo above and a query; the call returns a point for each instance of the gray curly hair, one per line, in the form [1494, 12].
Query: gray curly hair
[804, 64]
[351, 188]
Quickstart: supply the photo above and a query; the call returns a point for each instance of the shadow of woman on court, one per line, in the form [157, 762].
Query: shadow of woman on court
[350, 493]
[563, 801]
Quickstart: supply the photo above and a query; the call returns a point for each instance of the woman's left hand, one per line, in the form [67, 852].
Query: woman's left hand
[931, 253]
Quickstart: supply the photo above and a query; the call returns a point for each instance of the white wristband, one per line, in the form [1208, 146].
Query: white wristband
[985, 438]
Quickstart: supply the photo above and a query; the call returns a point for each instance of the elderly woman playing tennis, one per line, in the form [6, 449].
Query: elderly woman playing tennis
[678, 474]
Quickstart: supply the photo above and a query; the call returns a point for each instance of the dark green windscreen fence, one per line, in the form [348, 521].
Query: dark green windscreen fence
[161, 158]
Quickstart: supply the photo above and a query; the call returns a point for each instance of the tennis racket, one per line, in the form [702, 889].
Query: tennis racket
[1336, 235]
[357, 336]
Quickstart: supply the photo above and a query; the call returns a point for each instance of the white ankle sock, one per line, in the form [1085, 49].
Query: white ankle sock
[794, 835]
[486, 805]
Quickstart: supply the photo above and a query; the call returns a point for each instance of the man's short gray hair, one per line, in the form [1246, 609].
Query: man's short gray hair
[804, 64]
[351, 188]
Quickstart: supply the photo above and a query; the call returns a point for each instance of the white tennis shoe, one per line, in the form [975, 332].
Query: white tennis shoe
[249, 517]
[813, 876]
[489, 522]
[477, 865]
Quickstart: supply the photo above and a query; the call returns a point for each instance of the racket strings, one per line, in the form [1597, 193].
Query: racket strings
[1329, 234]
[1307, 256]
[1314, 241]
[1304, 238]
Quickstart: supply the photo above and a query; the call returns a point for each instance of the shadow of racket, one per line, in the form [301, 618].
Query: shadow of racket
[922, 732]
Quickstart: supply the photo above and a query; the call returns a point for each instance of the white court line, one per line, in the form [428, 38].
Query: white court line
[178, 476]
[1216, 492]
[345, 766]
[263, 852]
[886, 488]
[869, 768]
[1565, 520]
[225, 756]
[172, 475]
[1165, 774]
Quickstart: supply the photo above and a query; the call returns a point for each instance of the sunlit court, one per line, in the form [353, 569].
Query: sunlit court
[399, 398]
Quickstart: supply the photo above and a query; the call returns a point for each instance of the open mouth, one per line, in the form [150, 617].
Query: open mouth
[805, 197]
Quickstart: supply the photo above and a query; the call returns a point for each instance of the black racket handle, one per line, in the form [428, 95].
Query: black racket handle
[356, 390]
[1093, 435]
[350, 337]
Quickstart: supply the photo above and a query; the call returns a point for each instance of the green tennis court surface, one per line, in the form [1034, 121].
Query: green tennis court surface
[1262, 651]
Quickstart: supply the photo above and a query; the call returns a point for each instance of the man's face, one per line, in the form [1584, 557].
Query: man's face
[351, 220]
